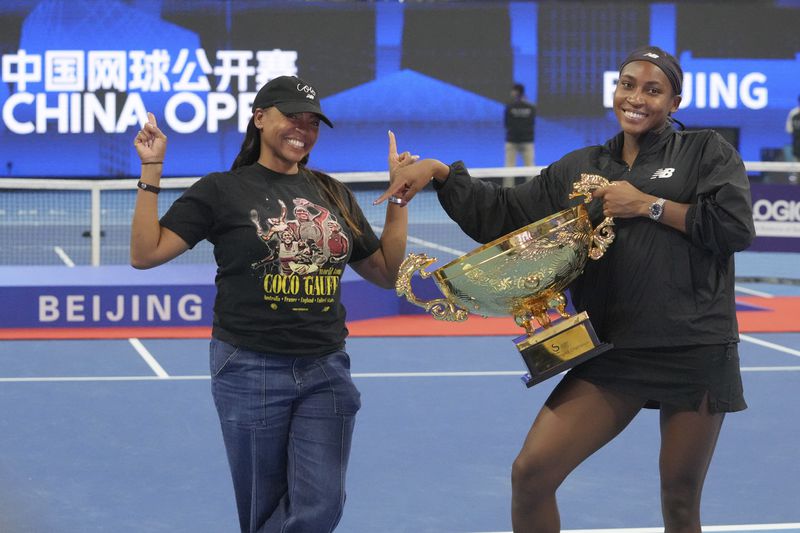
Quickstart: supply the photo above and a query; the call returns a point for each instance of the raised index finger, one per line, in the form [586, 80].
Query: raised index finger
[392, 145]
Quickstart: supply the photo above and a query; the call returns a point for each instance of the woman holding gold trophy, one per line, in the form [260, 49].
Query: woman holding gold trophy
[663, 294]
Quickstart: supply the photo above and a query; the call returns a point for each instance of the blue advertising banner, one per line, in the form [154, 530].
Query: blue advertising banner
[110, 296]
[117, 296]
[79, 77]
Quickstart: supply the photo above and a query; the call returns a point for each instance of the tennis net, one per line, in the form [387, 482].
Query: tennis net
[87, 222]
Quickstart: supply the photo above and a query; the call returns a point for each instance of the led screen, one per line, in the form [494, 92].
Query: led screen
[78, 77]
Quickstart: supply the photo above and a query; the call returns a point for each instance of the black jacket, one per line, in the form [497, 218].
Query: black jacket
[655, 286]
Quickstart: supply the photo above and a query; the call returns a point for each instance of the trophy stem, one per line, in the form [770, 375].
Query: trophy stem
[538, 307]
[559, 348]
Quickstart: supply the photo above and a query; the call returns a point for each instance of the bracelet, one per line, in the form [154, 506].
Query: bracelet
[153, 163]
[149, 188]
[397, 201]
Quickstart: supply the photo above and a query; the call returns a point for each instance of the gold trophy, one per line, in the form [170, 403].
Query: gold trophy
[524, 274]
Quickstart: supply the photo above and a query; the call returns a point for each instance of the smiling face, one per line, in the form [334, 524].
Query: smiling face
[643, 99]
[285, 139]
[302, 214]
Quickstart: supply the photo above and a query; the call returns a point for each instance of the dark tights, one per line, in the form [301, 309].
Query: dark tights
[578, 419]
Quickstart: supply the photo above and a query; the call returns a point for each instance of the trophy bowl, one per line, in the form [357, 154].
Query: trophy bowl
[524, 275]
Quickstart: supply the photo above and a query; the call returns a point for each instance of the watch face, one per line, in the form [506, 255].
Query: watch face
[655, 211]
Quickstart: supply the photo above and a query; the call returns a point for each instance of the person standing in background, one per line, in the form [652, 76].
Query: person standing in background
[793, 129]
[519, 120]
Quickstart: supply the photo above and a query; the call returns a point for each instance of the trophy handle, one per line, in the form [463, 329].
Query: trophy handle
[603, 234]
[440, 308]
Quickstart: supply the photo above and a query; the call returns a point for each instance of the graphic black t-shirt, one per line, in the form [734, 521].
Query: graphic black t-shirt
[280, 249]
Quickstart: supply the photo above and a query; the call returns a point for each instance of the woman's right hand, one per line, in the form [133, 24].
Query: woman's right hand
[150, 142]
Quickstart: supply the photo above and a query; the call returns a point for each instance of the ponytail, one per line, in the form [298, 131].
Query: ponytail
[251, 147]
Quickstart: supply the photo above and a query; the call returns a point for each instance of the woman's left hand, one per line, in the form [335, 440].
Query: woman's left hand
[397, 183]
[623, 200]
[397, 161]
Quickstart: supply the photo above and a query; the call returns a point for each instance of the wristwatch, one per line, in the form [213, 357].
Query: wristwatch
[149, 188]
[657, 209]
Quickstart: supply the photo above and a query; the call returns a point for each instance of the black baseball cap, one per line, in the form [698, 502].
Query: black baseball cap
[290, 94]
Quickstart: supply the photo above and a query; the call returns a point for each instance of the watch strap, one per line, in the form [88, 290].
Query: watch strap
[149, 188]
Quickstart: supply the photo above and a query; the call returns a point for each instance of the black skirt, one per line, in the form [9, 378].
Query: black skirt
[676, 376]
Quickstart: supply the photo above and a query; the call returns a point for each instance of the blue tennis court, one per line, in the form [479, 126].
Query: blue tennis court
[122, 436]
[107, 422]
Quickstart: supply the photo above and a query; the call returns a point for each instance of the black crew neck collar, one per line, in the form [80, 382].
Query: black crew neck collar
[274, 173]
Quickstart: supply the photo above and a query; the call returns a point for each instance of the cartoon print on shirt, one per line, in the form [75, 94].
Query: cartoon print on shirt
[310, 243]
[313, 237]
[308, 220]
[336, 243]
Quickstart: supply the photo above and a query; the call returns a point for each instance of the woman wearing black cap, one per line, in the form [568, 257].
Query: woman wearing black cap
[663, 294]
[280, 376]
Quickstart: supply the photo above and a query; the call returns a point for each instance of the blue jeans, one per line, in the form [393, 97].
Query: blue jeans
[287, 423]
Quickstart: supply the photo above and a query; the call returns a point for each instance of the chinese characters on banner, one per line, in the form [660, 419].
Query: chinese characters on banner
[80, 78]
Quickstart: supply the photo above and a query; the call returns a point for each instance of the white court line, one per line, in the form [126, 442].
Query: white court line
[167, 377]
[63, 255]
[68, 379]
[435, 246]
[742, 527]
[438, 374]
[767, 344]
[177, 378]
[148, 358]
[428, 244]
[770, 368]
[752, 292]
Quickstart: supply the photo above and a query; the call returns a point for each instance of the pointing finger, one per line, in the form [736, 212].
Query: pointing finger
[392, 145]
[391, 191]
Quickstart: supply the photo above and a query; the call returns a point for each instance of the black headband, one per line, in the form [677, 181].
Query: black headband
[668, 64]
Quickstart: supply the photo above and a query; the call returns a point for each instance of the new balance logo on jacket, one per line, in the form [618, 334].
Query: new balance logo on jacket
[662, 173]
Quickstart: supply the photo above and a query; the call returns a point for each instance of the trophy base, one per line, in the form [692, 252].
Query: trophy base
[559, 348]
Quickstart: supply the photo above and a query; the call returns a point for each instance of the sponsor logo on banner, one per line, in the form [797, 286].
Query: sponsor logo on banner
[120, 308]
[777, 218]
[104, 306]
[776, 214]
